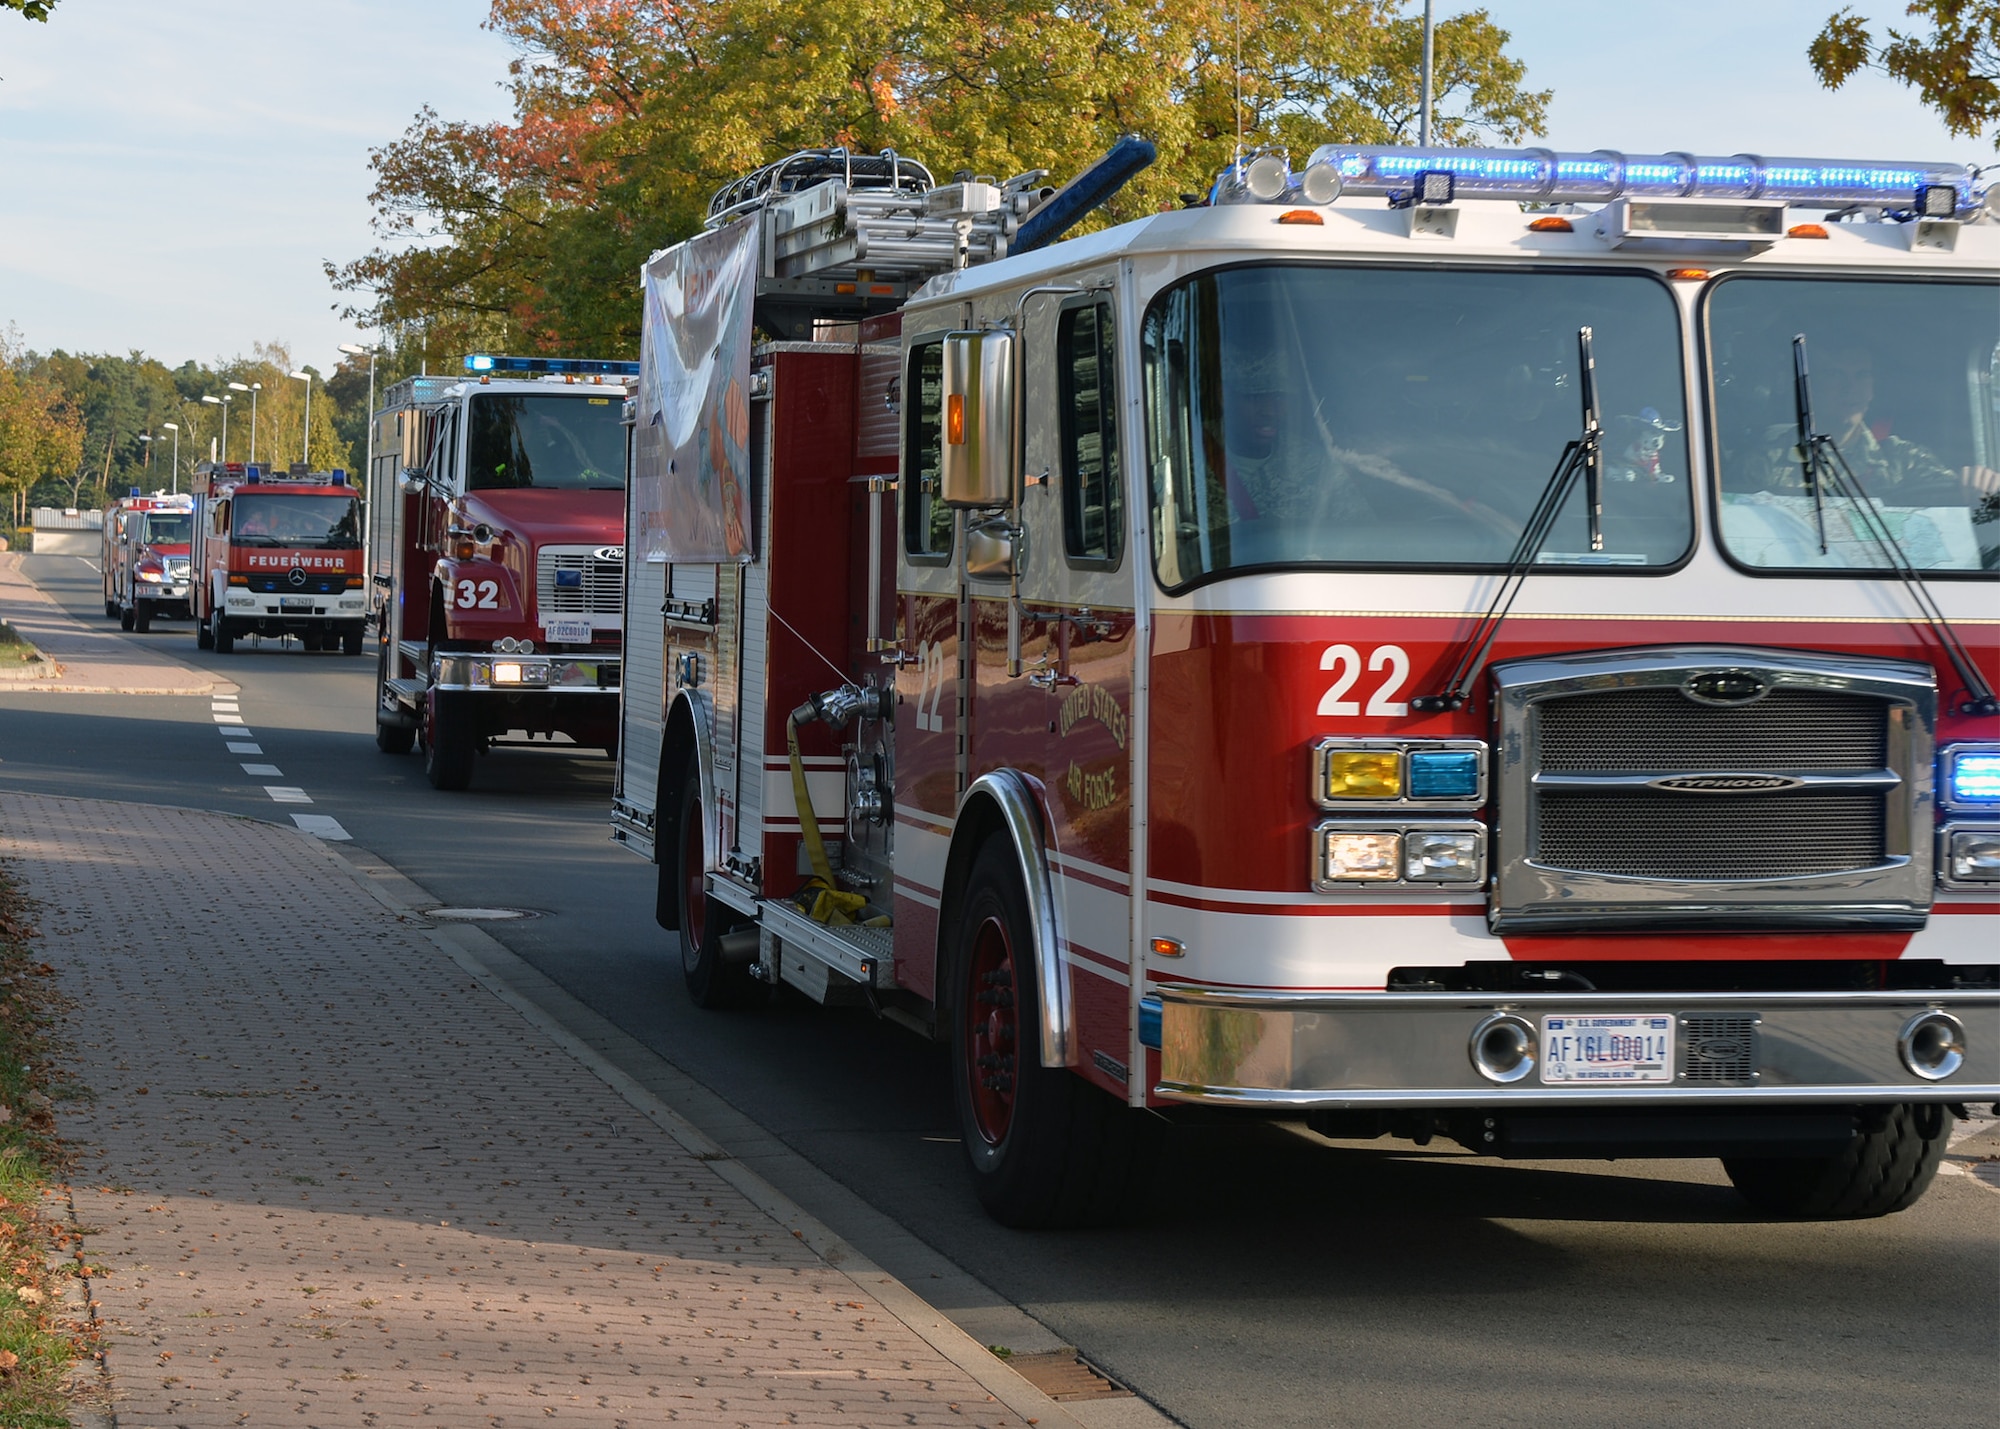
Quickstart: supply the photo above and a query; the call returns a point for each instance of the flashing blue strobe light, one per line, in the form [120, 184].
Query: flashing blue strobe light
[1974, 777]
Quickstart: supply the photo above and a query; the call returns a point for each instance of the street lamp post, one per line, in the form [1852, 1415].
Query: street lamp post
[222, 402]
[175, 428]
[253, 388]
[147, 438]
[305, 445]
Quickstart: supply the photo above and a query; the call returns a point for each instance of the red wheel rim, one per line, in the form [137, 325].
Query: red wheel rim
[694, 880]
[991, 1000]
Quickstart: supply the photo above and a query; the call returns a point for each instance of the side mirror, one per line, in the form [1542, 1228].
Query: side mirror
[411, 481]
[979, 461]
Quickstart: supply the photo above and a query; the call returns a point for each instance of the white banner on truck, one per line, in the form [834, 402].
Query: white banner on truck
[691, 460]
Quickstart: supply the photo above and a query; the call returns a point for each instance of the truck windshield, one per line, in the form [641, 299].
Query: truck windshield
[569, 443]
[1312, 416]
[172, 529]
[313, 523]
[1902, 379]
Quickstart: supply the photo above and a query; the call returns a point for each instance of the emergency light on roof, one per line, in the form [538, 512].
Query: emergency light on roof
[1545, 176]
[550, 366]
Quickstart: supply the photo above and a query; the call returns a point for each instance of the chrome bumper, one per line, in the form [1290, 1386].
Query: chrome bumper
[1384, 1050]
[519, 674]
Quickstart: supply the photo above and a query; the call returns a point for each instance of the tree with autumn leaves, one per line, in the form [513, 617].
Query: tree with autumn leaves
[41, 430]
[528, 235]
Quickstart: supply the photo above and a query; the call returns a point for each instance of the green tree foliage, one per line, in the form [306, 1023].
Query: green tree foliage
[629, 113]
[31, 9]
[41, 432]
[1954, 67]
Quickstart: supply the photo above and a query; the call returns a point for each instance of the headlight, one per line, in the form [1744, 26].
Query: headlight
[1449, 857]
[1414, 856]
[505, 672]
[1361, 857]
[1972, 855]
[154, 576]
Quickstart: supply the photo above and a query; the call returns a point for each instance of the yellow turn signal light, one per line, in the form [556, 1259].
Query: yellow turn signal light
[1301, 215]
[1553, 223]
[1806, 230]
[1364, 774]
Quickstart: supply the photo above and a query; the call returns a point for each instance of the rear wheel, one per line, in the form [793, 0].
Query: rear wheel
[712, 980]
[204, 635]
[450, 743]
[219, 636]
[127, 618]
[311, 640]
[1047, 1149]
[1884, 1169]
[110, 608]
[351, 638]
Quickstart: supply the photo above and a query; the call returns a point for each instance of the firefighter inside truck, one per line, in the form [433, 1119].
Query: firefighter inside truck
[1914, 422]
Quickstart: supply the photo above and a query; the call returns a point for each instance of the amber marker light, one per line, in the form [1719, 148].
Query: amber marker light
[1364, 774]
[1688, 275]
[954, 419]
[1168, 947]
[1301, 215]
[1806, 230]
[1554, 223]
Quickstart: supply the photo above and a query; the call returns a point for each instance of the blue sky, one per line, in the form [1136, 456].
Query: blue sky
[173, 174]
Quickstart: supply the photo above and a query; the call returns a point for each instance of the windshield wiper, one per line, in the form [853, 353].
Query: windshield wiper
[1826, 467]
[1582, 453]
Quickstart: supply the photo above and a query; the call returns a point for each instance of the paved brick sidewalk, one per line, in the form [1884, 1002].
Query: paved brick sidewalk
[83, 658]
[335, 1182]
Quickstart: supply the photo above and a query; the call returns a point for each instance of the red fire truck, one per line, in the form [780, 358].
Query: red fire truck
[277, 553]
[497, 573]
[144, 558]
[1496, 645]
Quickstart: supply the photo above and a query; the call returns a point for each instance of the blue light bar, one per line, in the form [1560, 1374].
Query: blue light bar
[1972, 776]
[551, 366]
[1545, 176]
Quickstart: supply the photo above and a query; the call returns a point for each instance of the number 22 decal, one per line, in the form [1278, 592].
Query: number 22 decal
[1345, 661]
[483, 596]
[930, 685]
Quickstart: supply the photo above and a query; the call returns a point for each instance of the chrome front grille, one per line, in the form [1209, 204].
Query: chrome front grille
[1714, 836]
[1660, 730]
[1623, 798]
[573, 581]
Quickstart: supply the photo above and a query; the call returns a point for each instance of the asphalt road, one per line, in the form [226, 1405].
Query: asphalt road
[1274, 1279]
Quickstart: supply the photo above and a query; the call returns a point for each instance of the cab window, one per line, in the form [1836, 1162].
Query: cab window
[927, 522]
[1092, 506]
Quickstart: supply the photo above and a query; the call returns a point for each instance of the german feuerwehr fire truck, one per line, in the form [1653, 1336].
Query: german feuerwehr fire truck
[496, 573]
[277, 553]
[1486, 644]
[144, 556]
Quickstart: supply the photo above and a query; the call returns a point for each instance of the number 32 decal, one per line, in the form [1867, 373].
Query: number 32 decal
[485, 595]
[1345, 661]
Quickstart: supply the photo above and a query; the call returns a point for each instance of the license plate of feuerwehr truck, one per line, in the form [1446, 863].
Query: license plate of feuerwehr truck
[295, 602]
[1619, 1047]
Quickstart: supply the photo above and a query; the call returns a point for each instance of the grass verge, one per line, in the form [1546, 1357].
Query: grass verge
[13, 649]
[40, 1343]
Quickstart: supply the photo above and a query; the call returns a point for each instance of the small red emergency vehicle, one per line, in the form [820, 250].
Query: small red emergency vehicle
[278, 553]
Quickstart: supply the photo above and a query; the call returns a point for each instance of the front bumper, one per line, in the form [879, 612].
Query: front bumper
[585, 674]
[1391, 1050]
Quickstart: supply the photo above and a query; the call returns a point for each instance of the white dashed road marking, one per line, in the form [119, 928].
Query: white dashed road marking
[229, 724]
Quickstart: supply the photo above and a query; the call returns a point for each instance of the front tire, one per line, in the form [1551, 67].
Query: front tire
[450, 744]
[142, 616]
[712, 981]
[204, 636]
[219, 636]
[1047, 1149]
[1884, 1169]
